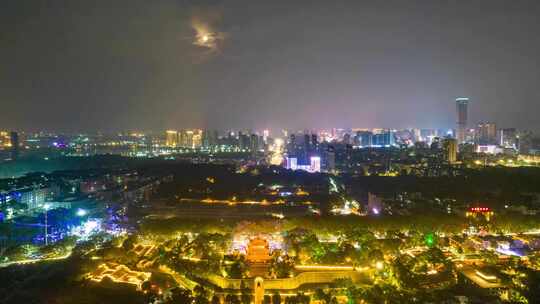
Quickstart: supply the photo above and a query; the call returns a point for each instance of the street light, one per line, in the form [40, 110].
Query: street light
[81, 212]
[46, 207]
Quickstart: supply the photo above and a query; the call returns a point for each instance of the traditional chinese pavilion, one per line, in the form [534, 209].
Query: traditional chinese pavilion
[258, 251]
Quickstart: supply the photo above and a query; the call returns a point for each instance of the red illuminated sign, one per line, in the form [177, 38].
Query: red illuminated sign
[479, 209]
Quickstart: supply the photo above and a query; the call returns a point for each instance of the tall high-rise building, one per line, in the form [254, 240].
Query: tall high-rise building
[207, 138]
[384, 139]
[171, 138]
[5, 141]
[307, 142]
[508, 138]
[187, 138]
[450, 150]
[196, 141]
[266, 134]
[486, 133]
[314, 140]
[462, 104]
[254, 143]
[315, 164]
[365, 138]
[14, 141]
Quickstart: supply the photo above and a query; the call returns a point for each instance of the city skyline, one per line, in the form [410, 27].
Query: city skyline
[76, 66]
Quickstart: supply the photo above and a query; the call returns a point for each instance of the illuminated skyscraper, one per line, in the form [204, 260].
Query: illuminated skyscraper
[385, 138]
[292, 163]
[5, 141]
[450, 150]
[196, 139]
[266, 134]
[187, 139]
[171, 138]
[315, 164]
[462, 104]
[365, 138]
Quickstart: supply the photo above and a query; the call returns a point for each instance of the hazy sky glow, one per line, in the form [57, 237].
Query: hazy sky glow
[120, 65]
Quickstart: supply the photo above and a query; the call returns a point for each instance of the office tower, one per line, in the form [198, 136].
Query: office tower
[215, 138]
[291, 163]
[508, 138]
[417, 135]
[196, 140]
[450, 150]
[205, 138]
[486, 133]
[462, 104]
[436, 144]
[347, 139]
[171, 138]
[254, 143]
[14, 141]
[228, 140]
[187, 138]
[5, 141]
[330, 159]
[292, 144]
[315, 164]
[266, 134]
[365, 138]
[208, 139]
[307, 140]
[314, 140]
[243, 141]
[524, 142]
[384, 139]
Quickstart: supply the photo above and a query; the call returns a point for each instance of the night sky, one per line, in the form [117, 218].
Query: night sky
[149, 65]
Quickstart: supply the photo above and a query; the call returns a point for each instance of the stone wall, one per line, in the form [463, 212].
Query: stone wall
[322, 277]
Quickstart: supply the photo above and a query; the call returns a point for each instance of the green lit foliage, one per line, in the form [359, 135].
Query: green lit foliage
[430, 239]
[281, 266]
[232, 299]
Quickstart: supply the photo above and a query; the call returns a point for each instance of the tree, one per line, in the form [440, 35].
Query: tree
[238, 269]
[302, 298]
[375, 256]
[129, 242]
[15, 253]
[231, 299]
[281, 266]
[321, 295]
[201, 295]
[490, 257]
[291, 300]
[245, 296]
[215, 300]
[532, 283]
[181, 296]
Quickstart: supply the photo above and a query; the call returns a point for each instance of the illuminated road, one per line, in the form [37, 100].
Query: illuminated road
[181, 280]
[32, 261]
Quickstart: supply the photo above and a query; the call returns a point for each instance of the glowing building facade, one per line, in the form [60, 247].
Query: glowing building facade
[171, 138]
[450, 150]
